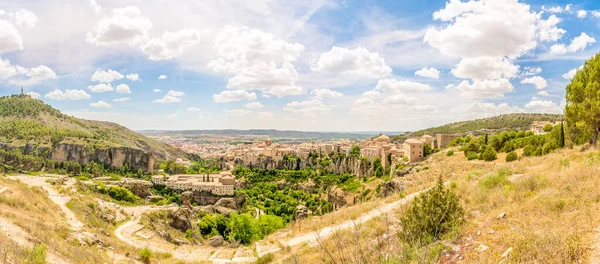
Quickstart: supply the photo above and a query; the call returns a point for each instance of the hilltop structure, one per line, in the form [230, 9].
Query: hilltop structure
[221, 184]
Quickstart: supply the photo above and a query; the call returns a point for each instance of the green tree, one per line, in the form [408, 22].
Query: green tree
[582, 109]
[547, 128]
[511, 156]
[355, 151]
[427, 150]
[489, 154]
[145, 255]
[242, 228]
[562, 135]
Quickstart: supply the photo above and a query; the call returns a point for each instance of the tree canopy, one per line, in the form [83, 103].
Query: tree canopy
[582, 108]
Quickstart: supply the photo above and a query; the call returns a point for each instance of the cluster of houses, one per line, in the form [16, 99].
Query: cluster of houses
[221, 184]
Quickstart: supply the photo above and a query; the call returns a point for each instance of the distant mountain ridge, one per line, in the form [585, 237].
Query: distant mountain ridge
[28, 122]
[289, 134]
[486, 125]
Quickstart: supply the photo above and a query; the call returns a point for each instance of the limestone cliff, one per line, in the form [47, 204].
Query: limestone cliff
[340, 165]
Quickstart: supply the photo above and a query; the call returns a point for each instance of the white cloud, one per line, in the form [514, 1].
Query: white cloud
[122, 99]
[577, 44]
[10, 39]
[254, 105]
[485, 67]
[236, 112]
[24, 18]
[125, 25]
[484, 28]
[106, 76]
[569, 75]
[34, 95]
[171, 44]
[133, 77]
[596, 13]
[68, 95]
[162, 77]
[428, 72]
[581, 14]
[7, 70]
[123, 89]
[94, 5]
[539, 82]
[101, 104]
[233, 96]
[529, 71]
[194, 109]
[556, 9]
[156, 90]
[543, 93]
[541, 106]
[485, 88]
[100, 88]
[400, 99]
[325, 93]
[481, 109]
[265, 115]
[34, 75]
[311, 107]
[167, 99]
[394, 85]
[259, 60]
[548, 31]
[175, 93]
[359, 61]
[171, 116]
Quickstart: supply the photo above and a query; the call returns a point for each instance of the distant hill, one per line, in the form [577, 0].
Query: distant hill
[280, 134]
[28, 121]
[486, 125]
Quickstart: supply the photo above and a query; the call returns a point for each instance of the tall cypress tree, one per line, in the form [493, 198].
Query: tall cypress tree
[562, 134]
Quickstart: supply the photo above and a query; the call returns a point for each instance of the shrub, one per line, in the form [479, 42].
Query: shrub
[529, 151]
[495, 180]
[145, 255]
[450, 153]
[431, 215]
[511, 156]
[489, 154]
[472, 155]
[268, 258]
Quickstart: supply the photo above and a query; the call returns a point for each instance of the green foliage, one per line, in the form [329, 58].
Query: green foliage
[427, 150]
[172, 167]
[450, 153]
[495, 180]
[489, 154]
[267, 258]
[355, 151]
[431, 215]
[472, 155]
[118, 193]
[242, 228]
[511, 156]
[37, 254]
[146, 255]
[582, 103]
[547, 128]
[378, 167]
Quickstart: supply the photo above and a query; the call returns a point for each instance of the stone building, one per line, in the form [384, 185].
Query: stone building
[413, 149]
[218, 184]
[444, 139]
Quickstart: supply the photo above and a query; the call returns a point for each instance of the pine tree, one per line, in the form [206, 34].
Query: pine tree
[582, 108]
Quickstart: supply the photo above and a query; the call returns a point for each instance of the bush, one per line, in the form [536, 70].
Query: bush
[450, 153]
[431, 215]
[529, 151]
[511, 156]
[145, 255]
[268, 258]
[489, 154]
[495, 180]
[472, 155]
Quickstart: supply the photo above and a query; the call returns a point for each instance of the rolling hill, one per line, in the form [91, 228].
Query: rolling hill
[285, 134]
[25, 121]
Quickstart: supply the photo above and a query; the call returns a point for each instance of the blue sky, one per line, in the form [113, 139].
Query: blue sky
[313, 65]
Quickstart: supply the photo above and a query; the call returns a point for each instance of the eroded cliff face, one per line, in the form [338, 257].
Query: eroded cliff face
[350, 165]
[114, 157]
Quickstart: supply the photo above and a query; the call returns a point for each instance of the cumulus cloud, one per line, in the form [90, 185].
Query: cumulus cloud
[162, 77]
[569, 75]
[577, 44]
[482, 109]
[236, 112]
[359, 61]
[254, 105]
[428, 72]
[557, 9]
[539, 82]
[68, 95]
[581, 14]
[100, 88]
[34, 95]
[310, 107]
[485, 67]
[125, 25]
[34, 75]
[485, 88]
[171, 44]
[529, 71]
[106, 76]
[400, 99]
[548, 30]
[394, 85]
[259, 60]
[543, 93]
[156, 90]
[101, 104]
[194, 109]
[233, 96]
[122, 99]
[541, 106]
[325, 93]
[10, 39]
[123, 89]
[133, 77]
[170, 97]
[95, 6]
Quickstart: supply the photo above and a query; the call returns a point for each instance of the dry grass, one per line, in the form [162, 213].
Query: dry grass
[551, 214]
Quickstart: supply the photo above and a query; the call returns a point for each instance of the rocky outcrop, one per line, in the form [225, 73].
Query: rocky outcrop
[301, 212]
[186, 198]
[138, 187]
[390, 187]
[338, 165]
[337, 197]
[228, 203]
[216, 241]
[203, 198]
[181, 219]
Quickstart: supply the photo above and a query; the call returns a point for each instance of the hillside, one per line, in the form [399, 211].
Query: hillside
[286, 134]
[28, 121]
[487, 125]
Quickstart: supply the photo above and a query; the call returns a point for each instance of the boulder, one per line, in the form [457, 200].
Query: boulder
[216, 241]
[227, 203]
[337, 197]
[391, 187]
[301, 212]
[181, 219]
[186, 198]
[166, 236]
